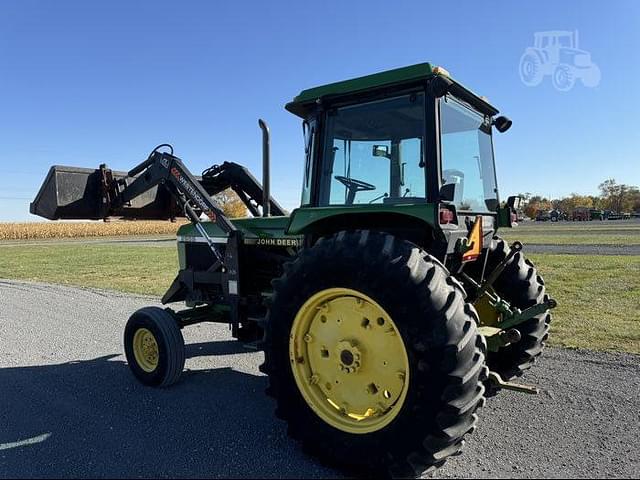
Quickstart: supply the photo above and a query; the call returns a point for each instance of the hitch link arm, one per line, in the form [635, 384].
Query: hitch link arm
[518, 316]
[513, 249]
[512, 316]
[198, 224]
[498, 382]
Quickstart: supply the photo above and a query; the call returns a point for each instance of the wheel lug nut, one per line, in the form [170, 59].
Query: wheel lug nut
[308, 338]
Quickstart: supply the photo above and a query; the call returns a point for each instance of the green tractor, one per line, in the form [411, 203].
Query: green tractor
[386, 305]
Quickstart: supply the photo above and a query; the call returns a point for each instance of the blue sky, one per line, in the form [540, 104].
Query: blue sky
[84, 83]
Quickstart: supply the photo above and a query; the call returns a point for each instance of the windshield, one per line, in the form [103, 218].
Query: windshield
[467, 156]
[373, 153]
[565, 41]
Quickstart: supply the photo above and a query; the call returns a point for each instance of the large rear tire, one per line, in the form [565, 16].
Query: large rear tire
[530, 69]
[347, 291]
[522, 286]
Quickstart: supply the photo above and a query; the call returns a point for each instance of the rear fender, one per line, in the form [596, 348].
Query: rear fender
[542, 55]
[415, 223]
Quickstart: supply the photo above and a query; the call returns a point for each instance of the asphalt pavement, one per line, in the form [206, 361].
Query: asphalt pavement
[70, 408]
[579, 249]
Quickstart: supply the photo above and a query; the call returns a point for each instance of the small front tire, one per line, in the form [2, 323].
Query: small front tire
[563, 78]
[154, 347]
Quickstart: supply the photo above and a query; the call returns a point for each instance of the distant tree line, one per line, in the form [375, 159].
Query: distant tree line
[616, 197]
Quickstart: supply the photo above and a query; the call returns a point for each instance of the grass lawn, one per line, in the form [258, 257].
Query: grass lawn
[598, 300]
[133, 269]
[598, 296]
[581, 233]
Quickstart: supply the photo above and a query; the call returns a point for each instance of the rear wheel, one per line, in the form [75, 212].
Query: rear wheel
[340, 340]
[373, 355]
[154, 347]
[531, 72]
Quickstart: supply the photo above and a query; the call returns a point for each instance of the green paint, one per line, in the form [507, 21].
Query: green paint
[251, 228]
[303, 219]
[182, 255]
[396, 76]
[516, 316]
[504, 217]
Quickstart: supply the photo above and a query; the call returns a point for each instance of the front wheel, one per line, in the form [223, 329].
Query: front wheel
[373, 355]
[591, 77]
[563, 78]
[154, 347]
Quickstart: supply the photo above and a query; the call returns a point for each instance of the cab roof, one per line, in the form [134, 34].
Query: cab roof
[302, 103]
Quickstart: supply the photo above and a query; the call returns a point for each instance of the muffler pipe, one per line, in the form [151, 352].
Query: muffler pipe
[266, 159]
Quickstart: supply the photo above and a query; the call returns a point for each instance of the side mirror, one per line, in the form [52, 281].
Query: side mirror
[381, 151]
[492, 204]
[502, 124]
[514, 202]
[447, 192]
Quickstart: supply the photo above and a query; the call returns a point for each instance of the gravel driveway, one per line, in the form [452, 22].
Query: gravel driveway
[70, 408]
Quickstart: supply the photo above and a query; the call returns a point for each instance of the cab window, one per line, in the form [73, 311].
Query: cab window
[374, 153]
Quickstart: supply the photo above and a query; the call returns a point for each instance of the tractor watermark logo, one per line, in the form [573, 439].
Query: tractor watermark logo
[556, 53]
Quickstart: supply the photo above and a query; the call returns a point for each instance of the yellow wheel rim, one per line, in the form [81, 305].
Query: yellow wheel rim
[349, 360]
[145, 350]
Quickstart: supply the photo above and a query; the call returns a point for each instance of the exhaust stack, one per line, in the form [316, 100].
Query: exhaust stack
[266, 160]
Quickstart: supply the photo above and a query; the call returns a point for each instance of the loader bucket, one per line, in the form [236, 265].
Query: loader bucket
[72, 193]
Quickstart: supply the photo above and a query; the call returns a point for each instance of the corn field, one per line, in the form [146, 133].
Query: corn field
[27, 231]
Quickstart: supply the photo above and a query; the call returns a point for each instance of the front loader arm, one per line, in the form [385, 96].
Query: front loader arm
[167, 170]
[161, 187]
[242, 182]
[156, 189]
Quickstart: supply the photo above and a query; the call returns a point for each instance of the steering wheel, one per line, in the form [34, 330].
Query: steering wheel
[354, 187]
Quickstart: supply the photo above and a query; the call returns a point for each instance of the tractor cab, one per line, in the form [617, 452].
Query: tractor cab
[406, 137]
[556, 39]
